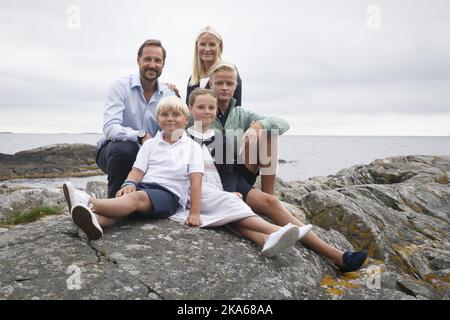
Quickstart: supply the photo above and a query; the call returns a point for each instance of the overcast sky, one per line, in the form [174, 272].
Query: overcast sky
[348, 67]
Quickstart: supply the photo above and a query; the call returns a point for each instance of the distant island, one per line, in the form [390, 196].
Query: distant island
[75, 133]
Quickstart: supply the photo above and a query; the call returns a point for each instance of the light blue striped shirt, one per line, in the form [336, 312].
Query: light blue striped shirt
[127, 111]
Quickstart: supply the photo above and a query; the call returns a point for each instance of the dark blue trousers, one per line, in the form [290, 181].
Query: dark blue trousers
[116, 159]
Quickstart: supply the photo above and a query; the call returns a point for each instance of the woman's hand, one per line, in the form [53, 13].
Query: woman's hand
[174, 88]
[194, 220]
[125, 190]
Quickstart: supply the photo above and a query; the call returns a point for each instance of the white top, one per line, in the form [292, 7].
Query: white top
[169, 165]
[218, 207]
[211, 175]
[204, 82]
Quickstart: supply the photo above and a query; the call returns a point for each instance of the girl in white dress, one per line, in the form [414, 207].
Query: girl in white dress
[219, 207]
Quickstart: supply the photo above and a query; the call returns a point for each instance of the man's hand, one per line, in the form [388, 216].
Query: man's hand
[125, 190]
[146, 137]
[194, 220]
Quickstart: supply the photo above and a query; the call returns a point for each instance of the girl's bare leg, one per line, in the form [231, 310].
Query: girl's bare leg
[258, 224]
[255, 229]
[258, 237]
[271, 207]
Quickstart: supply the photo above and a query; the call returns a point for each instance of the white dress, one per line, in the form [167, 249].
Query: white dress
[218, 207]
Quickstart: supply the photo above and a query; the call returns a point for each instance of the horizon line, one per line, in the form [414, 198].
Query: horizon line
[286, 134]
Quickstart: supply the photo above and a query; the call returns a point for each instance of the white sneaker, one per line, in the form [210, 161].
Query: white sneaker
[278, 241]
[303, 231]
[85, 219]
[74, 196]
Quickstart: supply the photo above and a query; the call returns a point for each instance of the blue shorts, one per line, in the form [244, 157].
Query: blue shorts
[247, 175]
[242, 181]
[164, 202]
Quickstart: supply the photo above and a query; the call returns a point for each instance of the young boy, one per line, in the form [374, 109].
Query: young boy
[166, 167]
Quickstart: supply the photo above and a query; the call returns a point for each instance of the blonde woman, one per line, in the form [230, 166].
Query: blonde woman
[208, 52]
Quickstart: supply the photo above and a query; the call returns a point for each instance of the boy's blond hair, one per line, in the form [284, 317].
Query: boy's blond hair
[172, 104]
[222, 66]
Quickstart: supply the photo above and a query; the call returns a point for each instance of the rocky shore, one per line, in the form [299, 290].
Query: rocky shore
[54, 161]
[397, 208]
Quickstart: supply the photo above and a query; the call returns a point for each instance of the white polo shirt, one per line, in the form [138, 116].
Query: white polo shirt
[169, 165]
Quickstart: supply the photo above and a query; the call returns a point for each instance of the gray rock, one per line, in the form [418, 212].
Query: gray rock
[415, 169]
[60, 160]
[97, 189]
[397, 210]
[418, 289]
[138, 259]
[47, 260]
[160, 259]
[294, 192]
[402, 221]
[282, 161]
[15, 200]
[320, 179]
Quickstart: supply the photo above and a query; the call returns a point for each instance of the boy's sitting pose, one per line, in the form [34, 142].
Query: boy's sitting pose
[166, 167]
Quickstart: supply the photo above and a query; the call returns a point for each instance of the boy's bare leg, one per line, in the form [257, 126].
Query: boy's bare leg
[268, 160]
[271, 207]
[122, 206]
[268, 183]
[108, 211]
[322, 248]
[105, 221]
[266, 149]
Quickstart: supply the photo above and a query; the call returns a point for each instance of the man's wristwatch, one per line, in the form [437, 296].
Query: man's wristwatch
[141, 134]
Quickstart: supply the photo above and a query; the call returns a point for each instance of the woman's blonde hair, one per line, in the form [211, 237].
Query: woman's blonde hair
[197, 71]
[172, 104]
[200, 92]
